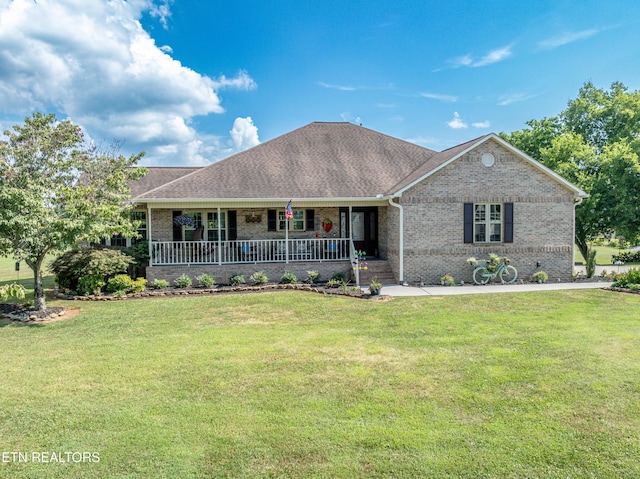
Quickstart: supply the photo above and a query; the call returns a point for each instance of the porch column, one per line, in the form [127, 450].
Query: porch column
[149, 235]
[219, 238]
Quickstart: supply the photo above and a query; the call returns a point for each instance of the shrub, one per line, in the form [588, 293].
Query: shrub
[88, 261]
[91, 284]
[591, 262]
[237, 280]
[140, 254]
[159, 284]
[312, 277]
[120, 282]
[628, 278]
[339, 277]
[205, 280]
[182, 281]
[335, 283]
[288, 278]
[626, 257]
[447, 280]
[540, 277]
[259, 277]
[139, 285]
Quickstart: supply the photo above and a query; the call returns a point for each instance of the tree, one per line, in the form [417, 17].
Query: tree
[56, 190]
[594, 143]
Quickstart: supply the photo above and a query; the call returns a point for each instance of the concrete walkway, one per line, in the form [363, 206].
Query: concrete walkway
[397, 290]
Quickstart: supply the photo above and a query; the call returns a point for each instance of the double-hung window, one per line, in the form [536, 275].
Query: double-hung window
[140, 216]
[296, 223]
[488, 222]
[214, 225]
[190, 229]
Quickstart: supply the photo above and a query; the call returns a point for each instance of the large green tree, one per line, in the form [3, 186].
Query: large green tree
[595, 143]
[56, 190]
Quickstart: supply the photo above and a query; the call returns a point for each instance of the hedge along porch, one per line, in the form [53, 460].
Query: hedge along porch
[425, 212]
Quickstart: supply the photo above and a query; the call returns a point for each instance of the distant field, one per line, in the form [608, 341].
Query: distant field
[603, 256]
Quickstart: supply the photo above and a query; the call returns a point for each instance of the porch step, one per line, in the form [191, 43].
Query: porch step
[379, 268]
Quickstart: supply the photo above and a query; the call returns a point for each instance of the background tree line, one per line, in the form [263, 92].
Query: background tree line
[594, 143]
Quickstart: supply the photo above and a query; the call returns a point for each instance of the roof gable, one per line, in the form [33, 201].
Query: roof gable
[446, 157]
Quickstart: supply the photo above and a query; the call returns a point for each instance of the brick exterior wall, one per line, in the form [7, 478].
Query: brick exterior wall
[433, 225]
[434, 213]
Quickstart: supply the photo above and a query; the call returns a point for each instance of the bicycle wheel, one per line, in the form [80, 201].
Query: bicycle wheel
[508, 275]
[480, 275]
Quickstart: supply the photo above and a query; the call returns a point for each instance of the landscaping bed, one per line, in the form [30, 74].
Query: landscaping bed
[173, 291]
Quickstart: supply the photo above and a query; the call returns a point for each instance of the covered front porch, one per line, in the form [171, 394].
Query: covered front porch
[240, 239]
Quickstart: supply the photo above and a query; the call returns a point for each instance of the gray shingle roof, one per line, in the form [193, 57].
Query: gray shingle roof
[157, 176]
[319, 160]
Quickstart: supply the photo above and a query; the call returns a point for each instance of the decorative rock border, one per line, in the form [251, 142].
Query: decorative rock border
[21, 314]
[171, 292]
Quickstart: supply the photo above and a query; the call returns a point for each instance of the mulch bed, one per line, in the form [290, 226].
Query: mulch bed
[23, 314]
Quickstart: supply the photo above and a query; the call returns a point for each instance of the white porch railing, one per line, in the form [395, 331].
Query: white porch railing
[249, 251]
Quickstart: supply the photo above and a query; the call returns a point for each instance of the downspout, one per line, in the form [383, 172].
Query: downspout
[400, 240]
[573, 250]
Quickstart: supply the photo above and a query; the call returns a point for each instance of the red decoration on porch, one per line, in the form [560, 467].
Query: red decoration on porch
[327, 224]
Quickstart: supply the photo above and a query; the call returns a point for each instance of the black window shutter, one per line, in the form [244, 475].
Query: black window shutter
[508, 222]
[271, 220]
[177, 229]
[311, 220]
[468, 222]
[232, 225]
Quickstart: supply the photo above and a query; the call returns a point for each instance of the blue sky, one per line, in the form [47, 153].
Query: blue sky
[194, 81]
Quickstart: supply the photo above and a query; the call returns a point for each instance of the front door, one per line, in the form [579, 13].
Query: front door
[364, 228]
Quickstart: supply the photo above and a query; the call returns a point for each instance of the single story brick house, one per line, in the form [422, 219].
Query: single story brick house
[417, 213]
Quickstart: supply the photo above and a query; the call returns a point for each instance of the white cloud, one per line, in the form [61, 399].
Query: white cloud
[99, 67]
[510, 98]
[445, 98]
[469, 61]
[494, 56]
[567, 37]
[457, 122]
[244, 134]
[337, 87]
[481, 124]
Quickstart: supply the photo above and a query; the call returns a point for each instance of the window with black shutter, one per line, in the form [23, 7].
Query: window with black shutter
[488, 222]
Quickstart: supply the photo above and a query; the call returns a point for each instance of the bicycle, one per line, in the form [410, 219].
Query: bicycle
[499, 267]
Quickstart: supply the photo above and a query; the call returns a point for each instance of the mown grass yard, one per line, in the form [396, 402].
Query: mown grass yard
[297, 385]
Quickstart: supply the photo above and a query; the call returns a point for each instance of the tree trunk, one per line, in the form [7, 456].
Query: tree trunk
[39, 299]
[583, 246]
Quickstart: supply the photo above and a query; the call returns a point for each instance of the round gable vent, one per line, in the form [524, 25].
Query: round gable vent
[488, 159]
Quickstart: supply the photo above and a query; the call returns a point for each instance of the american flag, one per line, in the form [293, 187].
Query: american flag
[288, 212]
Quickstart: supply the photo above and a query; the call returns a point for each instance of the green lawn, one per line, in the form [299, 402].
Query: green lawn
[603, 255]
[293, 384]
